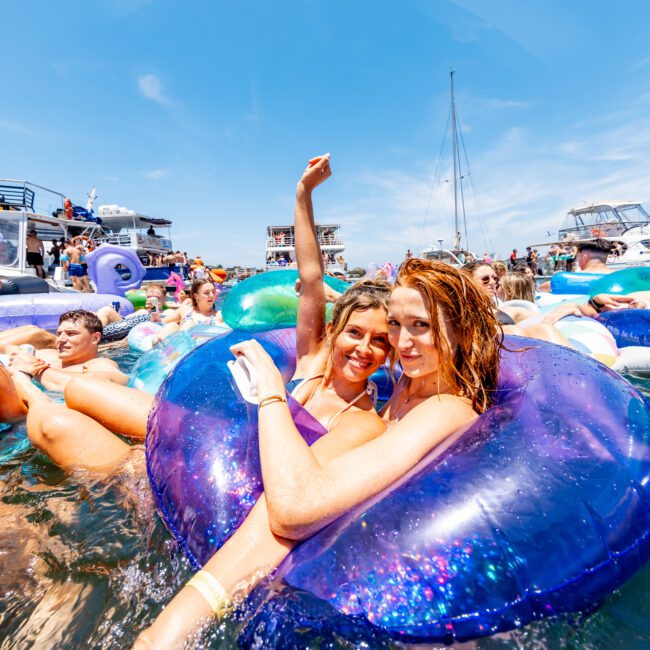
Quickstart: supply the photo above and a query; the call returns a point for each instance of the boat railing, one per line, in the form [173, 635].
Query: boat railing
[121, 239]
[289, 241]
[594, 230]
[29, 197]
[16, 197]
[331, 267]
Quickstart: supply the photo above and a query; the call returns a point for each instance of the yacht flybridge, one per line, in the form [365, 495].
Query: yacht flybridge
[281, 247]
[124, 227]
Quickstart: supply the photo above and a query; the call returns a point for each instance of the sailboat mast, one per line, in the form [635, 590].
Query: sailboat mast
[454, 149]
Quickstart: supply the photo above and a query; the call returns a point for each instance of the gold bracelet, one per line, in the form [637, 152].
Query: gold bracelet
[271, 399]
[212, 591]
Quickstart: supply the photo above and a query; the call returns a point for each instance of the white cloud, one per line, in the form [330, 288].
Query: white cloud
[14, 127]
[151, 87]
[525, 184]
[157, 174]
[507, 103]
[641, 63]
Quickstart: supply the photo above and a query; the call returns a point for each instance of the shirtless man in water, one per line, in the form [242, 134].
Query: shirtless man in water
[77, 340]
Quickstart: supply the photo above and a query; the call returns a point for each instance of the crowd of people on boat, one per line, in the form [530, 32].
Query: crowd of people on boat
[444, 327]
[168, 258]
[69, 255]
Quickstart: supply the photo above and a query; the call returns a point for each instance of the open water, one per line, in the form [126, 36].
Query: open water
[84, 563]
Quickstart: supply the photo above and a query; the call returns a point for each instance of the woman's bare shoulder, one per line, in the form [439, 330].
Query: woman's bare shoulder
[455, 407]
[353, 429]
[361, 423]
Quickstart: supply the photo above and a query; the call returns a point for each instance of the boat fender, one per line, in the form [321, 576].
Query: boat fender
[23, 284]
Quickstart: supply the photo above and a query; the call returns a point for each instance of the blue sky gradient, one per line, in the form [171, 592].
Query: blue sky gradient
[207, 112]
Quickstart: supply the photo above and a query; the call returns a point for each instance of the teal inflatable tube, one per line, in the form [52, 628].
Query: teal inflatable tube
[153, 366]
[268, 301]
[623, 282]
[566, 282]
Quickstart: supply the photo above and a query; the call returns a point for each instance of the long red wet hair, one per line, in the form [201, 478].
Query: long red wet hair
[470, 363]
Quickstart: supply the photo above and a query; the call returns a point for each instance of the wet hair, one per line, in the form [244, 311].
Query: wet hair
[518, 286]
[472, 367]
[598, 248]
[83, 317]
[195, 288]
[361, 296]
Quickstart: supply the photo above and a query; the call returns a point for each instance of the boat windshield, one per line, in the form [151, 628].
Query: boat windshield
[605, 220]
[634, 214]
[452, 257]
[9, 240]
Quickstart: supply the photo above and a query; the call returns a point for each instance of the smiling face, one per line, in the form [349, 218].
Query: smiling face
[204, 297]
[411, 332]
[362, 345]
[487, 278]
[75, 343]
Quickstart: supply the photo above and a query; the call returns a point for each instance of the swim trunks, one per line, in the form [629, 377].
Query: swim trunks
[34, 259]
[75, 271]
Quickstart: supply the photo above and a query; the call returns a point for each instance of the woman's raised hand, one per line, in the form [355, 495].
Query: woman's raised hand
[269, 379]
[318, 170]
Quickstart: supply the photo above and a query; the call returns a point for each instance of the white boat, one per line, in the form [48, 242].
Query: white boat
[281, 247]
[26, 206]
[124, 227]
[455, 257]
[623, 222]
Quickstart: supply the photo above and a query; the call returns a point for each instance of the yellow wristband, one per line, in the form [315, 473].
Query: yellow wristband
[271, 399]
[210, 588]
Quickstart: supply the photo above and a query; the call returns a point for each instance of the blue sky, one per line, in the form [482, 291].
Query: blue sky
[206, 113]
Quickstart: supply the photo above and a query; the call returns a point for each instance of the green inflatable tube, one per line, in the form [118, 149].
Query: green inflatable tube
[268, 301]
[623, 282]
[138, 298]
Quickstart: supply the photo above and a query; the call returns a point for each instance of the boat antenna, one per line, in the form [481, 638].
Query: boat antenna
[92, 195]
[456, 160]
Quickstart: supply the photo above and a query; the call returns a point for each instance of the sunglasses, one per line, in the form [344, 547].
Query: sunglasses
[486, 279]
